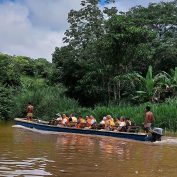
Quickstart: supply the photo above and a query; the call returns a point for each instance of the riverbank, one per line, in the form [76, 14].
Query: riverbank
[49, 100]
[165, 113]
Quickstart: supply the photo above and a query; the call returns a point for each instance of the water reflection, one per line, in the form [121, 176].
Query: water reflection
[34, 167]
[113, 148]
[28, 153]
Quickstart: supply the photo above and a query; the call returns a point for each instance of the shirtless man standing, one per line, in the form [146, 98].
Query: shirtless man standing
[29, 111]
[149, 119]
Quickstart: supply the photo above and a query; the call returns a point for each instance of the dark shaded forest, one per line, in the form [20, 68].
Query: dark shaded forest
[119, 57]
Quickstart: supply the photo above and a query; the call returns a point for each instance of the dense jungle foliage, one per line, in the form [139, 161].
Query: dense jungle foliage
[112, 62]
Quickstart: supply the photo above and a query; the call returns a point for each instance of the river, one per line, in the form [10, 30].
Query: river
[30, 153]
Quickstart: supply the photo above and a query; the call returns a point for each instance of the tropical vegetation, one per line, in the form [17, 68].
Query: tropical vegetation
[112, 62]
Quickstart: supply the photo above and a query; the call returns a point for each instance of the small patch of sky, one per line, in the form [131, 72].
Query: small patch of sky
[4, 1]
[102, 2]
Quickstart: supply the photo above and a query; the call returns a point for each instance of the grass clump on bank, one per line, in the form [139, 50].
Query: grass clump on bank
[47, 100]
[165, 113]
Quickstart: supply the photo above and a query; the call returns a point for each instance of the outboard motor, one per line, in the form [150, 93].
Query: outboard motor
[157, 133]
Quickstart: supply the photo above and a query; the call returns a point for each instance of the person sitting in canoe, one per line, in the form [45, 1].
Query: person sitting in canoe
[88, 121]
[117, 122]
[102, 123]
[65, 120]
[81, 122]
[122, 125]
[128, 124]
[109, 125]
[58, 119]
[128, 121]
[93, 122]
[72, 120]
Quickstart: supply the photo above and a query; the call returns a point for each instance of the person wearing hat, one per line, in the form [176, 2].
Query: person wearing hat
[58, 119]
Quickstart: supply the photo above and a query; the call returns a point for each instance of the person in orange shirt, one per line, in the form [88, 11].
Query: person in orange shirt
[81, 123]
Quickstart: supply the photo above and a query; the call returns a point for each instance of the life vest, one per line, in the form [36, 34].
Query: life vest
[82, 121]
[74, 119]
[89, 121]
[111, 123]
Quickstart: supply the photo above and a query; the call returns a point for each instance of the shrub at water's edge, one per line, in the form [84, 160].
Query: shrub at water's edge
[5, 102]
[47, 100]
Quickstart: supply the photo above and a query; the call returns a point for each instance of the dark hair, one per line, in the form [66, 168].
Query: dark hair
[148, 108]
[29, 103]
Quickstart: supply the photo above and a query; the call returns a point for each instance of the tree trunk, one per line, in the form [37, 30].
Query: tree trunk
[115, 93]
[119, 95]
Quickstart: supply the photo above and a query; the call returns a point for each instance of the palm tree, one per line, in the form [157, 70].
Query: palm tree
[150, 87]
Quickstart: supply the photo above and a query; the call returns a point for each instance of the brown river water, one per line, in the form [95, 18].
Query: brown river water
[30, 153]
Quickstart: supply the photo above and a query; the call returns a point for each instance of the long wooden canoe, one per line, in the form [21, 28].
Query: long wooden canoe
[40, 125]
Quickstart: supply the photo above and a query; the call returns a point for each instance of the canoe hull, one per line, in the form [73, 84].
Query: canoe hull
[51, 128]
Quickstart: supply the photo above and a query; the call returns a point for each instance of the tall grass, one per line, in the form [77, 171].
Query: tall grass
[165, 113]
[47, 100]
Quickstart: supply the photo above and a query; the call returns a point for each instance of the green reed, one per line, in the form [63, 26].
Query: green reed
[165, 113]
[47, 100]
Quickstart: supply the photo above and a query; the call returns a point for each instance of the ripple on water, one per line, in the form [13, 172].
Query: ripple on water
[30, 167]
[35, 172]
[167, 141]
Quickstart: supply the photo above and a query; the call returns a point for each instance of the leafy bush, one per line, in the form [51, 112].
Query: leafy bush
[5, 103]
[47, 100]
